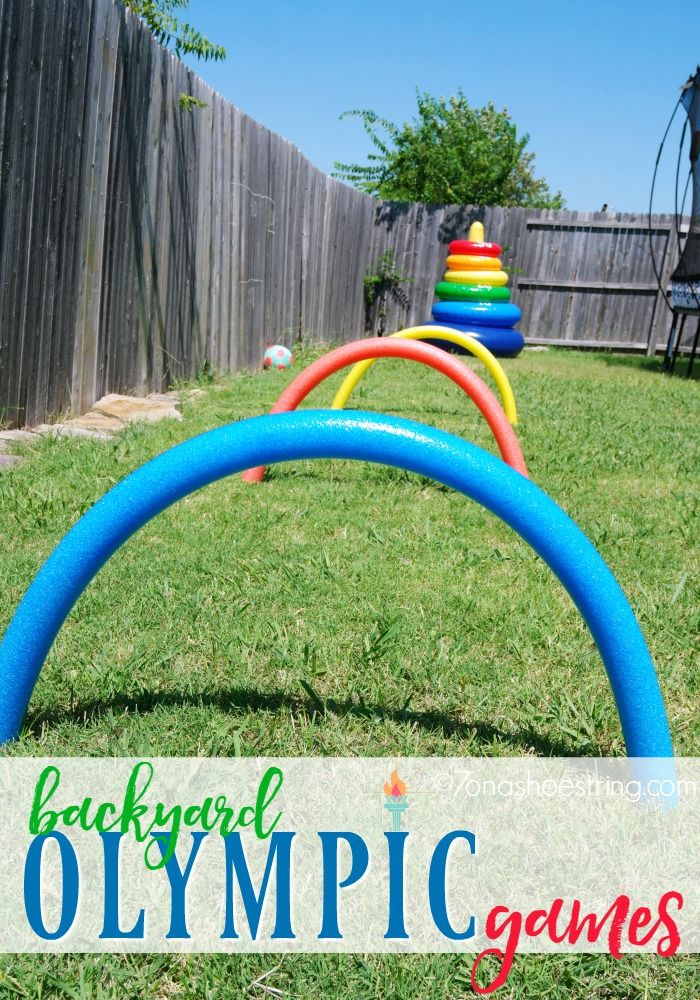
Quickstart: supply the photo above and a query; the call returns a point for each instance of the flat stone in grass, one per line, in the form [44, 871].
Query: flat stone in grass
[129, 409]
[8, 438]
[76, 431]
[113, 412]
[24, 437]
[107, 417]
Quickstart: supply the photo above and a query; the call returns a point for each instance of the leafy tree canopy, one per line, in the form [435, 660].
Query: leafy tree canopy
[449, 154]
[160, 16]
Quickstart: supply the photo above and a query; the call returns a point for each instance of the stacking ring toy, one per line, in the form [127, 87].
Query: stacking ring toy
[477, 277]
[392, 347]
[474, 299]
[438, 336]
[473, 262]
[366, 437]
[452, 292]
[484, 313]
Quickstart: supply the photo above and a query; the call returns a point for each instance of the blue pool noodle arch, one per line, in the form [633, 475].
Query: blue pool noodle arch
[367, 437]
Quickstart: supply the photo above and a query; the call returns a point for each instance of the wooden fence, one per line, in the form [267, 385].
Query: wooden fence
[140, 241]
[582, 279]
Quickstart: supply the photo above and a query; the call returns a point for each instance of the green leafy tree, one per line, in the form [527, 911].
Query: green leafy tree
[449, 154]
[161, 18]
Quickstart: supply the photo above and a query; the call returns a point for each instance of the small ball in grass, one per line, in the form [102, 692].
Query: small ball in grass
[278, 357]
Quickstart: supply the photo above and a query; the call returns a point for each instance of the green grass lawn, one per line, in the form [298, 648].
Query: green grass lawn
[346, 609]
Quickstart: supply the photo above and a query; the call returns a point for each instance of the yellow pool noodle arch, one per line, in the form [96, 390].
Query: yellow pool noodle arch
[470, 344]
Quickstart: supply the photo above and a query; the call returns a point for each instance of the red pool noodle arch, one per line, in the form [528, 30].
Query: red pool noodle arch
[413, 350]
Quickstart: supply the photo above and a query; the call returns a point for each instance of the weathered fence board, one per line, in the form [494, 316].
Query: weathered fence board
[140, 241]
[580, 278]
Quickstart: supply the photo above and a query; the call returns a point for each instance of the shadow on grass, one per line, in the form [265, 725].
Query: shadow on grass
[653, 364]
[236, 700]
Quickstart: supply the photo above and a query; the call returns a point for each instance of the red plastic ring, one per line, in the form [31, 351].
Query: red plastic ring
[467, 247]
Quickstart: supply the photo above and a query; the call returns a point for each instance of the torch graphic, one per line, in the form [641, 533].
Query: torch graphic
[396, 800]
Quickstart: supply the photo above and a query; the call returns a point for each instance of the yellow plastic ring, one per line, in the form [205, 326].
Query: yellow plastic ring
[473, 262]
[470, 344]
[477, 277]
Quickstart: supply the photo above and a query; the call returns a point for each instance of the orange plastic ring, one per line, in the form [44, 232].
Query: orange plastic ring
[473, 262]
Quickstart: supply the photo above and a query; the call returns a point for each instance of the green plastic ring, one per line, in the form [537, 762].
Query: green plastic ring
[451, 291]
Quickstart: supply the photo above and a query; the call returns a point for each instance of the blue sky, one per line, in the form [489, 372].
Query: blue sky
[593, 83]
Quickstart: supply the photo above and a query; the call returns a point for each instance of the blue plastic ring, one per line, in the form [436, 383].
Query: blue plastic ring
[501, 342]
[502, 314]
